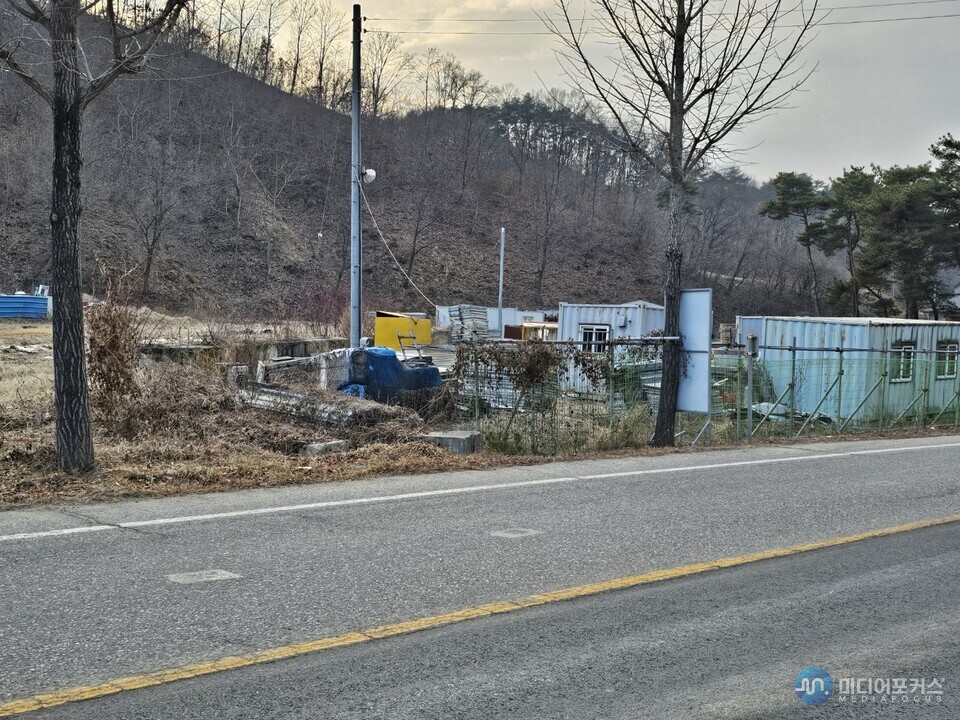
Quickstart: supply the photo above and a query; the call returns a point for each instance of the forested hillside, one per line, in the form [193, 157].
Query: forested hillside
[223, 192]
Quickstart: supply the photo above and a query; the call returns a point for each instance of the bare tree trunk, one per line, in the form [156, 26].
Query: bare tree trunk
[663, 433]
[220, 31]
[269, 255]
[541, 271]
[670, 380]
[413, 251]
[911, 309]
[74, 436]
[816, 281]
[854, 286]
[147, 267]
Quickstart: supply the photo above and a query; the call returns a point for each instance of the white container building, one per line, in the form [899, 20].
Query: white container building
[890, 366]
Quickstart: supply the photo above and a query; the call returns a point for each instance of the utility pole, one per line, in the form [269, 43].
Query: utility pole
[503, 240]
[356, 259]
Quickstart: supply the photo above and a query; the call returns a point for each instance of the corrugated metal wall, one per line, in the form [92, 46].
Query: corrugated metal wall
[819, 366]
[631, 320]
[23, 306]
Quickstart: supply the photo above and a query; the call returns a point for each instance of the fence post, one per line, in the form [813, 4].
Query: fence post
[610, 376]
[476, 388]
[793, 384]
[925, 403]
[749, 395]
[956, 412]
[533, 425]
[840, 386]
[883, 390]
[739, 393]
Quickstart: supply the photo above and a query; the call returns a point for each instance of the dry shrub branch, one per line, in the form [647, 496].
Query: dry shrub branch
[115, 330]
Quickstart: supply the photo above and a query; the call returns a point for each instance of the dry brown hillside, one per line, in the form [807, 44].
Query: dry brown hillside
[235, 195]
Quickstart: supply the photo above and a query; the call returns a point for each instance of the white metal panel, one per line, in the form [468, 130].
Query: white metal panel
[749, 325]
[641, 319]
[696, 330]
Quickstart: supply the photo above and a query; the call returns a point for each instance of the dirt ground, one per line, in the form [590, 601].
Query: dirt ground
[26, 360]
[183, 429]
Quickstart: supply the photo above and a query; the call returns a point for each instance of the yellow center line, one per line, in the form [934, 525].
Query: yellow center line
[186, 672]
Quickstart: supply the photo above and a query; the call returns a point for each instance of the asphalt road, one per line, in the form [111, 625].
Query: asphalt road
[728, 644]
[91, 606]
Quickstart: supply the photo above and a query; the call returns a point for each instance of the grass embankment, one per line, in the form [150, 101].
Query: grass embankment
[182, 430]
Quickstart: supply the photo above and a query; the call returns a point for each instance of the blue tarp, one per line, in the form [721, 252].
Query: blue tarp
[354, 390]
[22, 306]
[384, 377]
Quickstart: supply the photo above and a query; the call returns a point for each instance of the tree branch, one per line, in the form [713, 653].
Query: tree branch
[124, 64]
[33, 12]
[7, 57]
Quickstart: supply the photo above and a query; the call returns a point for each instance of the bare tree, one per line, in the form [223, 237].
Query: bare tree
[245, 15]
[236, 151]
[425, 68]
[684, 75]
[303, 14]
[276, 13]
[274, 177]
[222, 29]
[384, 71]
[77, 79]
[332, 75]
[152, 209]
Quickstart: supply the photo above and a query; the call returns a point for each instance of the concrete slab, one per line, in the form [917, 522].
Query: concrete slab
[323, 448]
[461, 442]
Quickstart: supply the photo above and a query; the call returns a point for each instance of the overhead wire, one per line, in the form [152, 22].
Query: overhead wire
[389, 251]
[828, 9]
[590, 32]
[896, 3]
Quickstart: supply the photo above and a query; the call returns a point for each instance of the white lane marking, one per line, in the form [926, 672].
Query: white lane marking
[462, 491]
[287, 508]
[53, 533]
[201, 576]
[513, 533]
[767, 461]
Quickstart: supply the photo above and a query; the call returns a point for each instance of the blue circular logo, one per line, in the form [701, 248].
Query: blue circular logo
[814, 685]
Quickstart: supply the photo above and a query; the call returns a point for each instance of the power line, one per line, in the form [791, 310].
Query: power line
[548, 32]
[898, 3]
[389, 251]
[828, 10]
[882, 20]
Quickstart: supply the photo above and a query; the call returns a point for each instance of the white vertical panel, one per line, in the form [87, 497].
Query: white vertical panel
[696, 330]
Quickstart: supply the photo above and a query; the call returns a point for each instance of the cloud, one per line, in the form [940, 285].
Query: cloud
[881, 93]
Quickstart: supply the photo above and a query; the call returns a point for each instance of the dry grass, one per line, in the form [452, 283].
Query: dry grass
[136, 470]
[25, 376]
[186, 329]
[181, 429]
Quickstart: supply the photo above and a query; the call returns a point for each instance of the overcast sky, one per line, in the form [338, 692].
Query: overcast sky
[882, 92]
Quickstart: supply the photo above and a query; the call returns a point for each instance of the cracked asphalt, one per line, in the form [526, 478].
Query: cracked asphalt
[728, 644]
[88, 607]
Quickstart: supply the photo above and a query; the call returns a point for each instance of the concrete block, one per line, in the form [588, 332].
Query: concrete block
[323, 448]
[461, 442]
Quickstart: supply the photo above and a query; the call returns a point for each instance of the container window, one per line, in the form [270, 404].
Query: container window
[594, 338]
[902, 362]
[947, 352]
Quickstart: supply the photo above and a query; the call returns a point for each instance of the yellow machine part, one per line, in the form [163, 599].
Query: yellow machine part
[389, 328]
